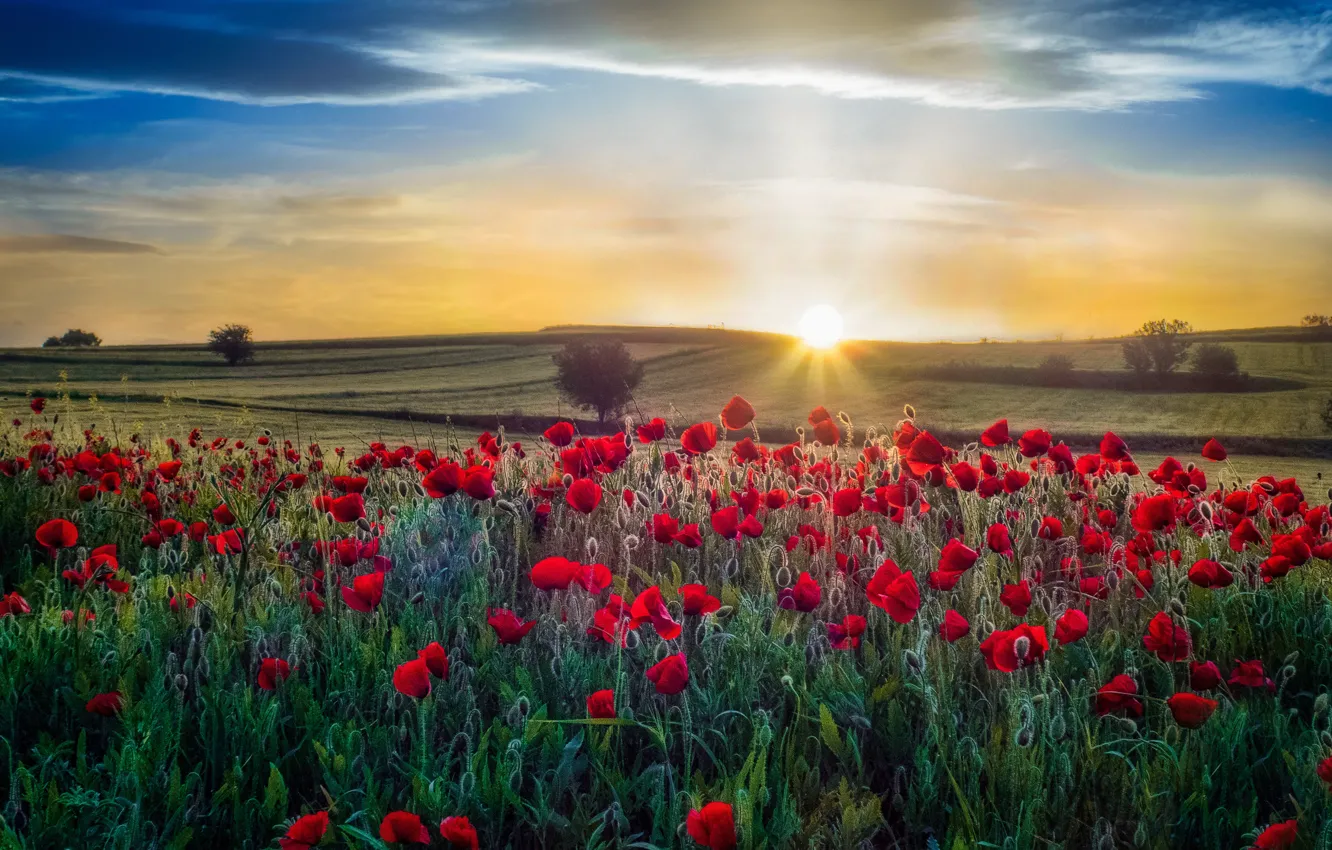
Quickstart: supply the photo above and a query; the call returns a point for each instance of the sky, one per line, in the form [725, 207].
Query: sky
[948, 169]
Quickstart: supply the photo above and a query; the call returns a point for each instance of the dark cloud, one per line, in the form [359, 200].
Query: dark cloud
[75, 46]
[61, 244]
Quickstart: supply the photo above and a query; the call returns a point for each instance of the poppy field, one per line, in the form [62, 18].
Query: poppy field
[692, 632]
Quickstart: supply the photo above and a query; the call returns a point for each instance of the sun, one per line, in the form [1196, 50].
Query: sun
[821, 326]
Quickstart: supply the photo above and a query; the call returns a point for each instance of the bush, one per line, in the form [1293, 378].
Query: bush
[73, 338]
[1056, 364]
[233, 342]
[1217, 360]
[598, 376]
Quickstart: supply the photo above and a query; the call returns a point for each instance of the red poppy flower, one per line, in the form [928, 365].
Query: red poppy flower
[403, 827]
[957, 557]
[965, 476]
[804, 596]
[305, 833]
[996, 435]
[999, 540]
[1212, 450]
[1155, 513]
[737, 414]
[689, 536]
[412, 678]
[827, 432]
[846, 634]
[37, 404]
[458, 832]
[12, 604]
[1204, 675]
[478, 481]
[1007, 650]
[653, 431]
[107, 705]
[1325, 770]
[436, 660]
[1113, 448]
[699, 439]
[1249, 674]
[1169, 641]
[649, 606]
[954, 626]
[1016, 597]
[1278, 836]
[697, 600]
[507, 625]
[601, 705]
[670, 675]
[713, 826]
[57, 534]
[365, 593]
[583, 495]
[894, 591]
[560, 434]
[442, 481]
[272, 671]
[348, 508]
[1191, 710]
[1210, 574]
[1119, 696]
[726, 522]
[1034, 443]
[1071, 626]
[846, 501]
[553, 573]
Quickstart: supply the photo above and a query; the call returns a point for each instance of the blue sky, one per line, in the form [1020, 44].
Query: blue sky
[935, 170]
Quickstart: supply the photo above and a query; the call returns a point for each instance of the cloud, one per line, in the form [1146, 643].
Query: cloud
[985, 54]
[61, 244]
[52, 44]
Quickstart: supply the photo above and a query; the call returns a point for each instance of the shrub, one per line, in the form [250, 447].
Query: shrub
[1217, 360]
[73, 338]
[1056, 364]
[598, 376]
[235, 343]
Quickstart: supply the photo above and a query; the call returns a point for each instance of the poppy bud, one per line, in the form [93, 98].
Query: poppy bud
[566, 481]
[1025, 737]
[591, 548]
[1176, 607]
[916, 666]
[1021, 646]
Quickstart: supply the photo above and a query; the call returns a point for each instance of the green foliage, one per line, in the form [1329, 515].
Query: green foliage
[234, 343]
[901, 740]
[1218, 360]
[597, 375]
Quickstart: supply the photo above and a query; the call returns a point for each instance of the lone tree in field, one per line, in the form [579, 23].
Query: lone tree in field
[1157, 346]
[598, 376]
[233, 342]
[73, 338]
[1217, 360]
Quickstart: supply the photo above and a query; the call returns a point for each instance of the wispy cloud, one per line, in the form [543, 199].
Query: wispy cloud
[1080, 54]
[64, 244]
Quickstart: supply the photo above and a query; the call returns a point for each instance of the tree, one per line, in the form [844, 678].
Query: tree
[233, 342]
[598, 376]
[1327, 415]
[1314, 320]
[1216, 360]
[73, 338]
[1160, 341]
[1137, 357]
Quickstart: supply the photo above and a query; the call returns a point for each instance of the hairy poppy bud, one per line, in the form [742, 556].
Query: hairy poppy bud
[1021, 646]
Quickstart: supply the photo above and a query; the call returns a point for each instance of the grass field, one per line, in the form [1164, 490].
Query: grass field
[336, 385]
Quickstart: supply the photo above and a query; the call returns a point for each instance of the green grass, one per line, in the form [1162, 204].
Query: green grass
[689, 375]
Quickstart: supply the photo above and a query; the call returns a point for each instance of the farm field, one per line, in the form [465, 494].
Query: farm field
[484, 380]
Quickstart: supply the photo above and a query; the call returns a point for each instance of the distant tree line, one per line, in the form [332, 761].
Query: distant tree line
[73, 338]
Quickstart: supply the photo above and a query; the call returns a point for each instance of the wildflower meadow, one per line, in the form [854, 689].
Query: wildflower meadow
[678, 635]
